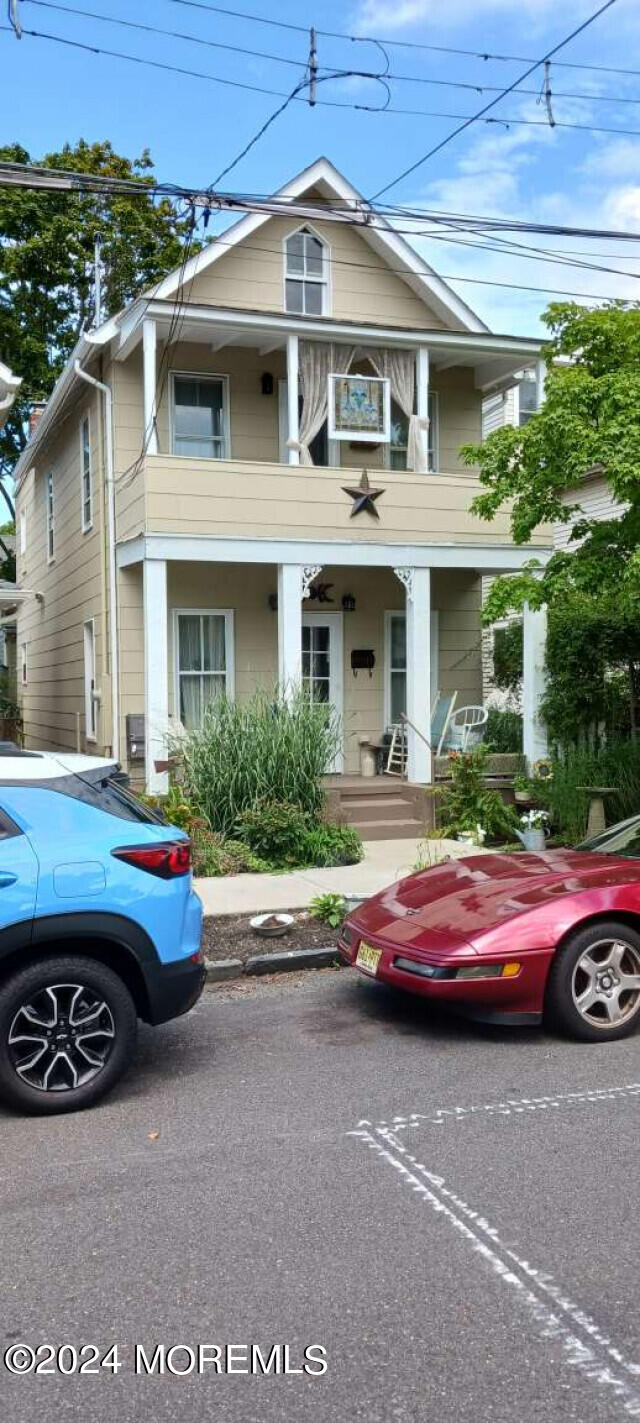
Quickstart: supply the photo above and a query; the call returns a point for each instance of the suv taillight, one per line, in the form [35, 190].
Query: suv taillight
[167, 860]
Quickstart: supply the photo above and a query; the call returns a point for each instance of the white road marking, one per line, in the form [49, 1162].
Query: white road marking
[586, 1346]
[515, 1106]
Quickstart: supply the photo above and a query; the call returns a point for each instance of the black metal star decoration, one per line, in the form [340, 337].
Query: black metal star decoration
[364, 497]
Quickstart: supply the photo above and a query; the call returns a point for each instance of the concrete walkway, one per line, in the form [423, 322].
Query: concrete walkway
[384, 861]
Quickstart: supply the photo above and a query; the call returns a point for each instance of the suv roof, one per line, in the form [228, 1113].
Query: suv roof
[18, 765]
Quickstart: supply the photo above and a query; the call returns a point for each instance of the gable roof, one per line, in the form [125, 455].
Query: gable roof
[324, 178]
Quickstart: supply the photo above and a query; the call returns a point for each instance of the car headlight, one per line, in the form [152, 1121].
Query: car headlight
[489, 970]
[348, 936]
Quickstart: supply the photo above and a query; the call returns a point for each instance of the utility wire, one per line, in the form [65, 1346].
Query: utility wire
[492, 104]
[300, 64]
[507, 121]
[484, 55]
[62, 179]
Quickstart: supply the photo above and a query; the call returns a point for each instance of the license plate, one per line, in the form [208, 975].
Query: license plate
[368, 958]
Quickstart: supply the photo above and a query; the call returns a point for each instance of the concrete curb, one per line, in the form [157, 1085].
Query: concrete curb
[259, 964]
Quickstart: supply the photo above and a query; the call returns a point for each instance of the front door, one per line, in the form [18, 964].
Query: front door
[322, 663]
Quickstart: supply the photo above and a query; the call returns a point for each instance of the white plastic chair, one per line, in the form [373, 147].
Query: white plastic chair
[465, 728]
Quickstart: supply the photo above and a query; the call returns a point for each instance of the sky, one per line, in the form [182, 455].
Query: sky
[54, 93]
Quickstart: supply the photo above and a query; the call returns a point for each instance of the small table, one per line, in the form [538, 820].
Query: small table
[596, 822]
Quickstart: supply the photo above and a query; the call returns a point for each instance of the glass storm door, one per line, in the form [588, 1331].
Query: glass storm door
[322, 663]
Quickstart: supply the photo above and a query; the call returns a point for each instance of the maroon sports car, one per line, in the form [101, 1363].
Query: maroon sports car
[515, 937]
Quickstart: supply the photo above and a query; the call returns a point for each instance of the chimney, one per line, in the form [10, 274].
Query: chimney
[35, 415]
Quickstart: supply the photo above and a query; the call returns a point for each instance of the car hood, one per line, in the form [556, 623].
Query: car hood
[457, 901]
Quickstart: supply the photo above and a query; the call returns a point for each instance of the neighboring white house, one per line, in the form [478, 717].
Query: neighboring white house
[9, 386]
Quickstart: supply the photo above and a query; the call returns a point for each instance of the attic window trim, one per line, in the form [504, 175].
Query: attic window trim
[304, 279]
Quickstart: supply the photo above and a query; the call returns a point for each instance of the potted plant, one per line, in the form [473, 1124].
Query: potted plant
[535, 828]
[522, 789]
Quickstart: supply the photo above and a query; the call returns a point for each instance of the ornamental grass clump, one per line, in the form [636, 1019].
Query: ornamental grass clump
[273, 748]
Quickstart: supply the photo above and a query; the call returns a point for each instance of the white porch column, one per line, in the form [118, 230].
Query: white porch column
[289, 626]
[417, 584]
[156, 675]
[293, 418]
[534, 736]
[149, 380]
[422, 382]
[541, 376]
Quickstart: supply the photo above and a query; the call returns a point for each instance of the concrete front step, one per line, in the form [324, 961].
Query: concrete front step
[390, 830]
[357, 812]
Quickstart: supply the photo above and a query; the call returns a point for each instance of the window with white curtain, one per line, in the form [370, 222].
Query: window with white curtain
[200, 417]
[306, 274]
[400, 434]
[85, 474]
[49, 498]
[204, 661]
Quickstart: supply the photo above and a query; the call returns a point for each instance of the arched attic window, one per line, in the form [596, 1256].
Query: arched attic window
[306, 273]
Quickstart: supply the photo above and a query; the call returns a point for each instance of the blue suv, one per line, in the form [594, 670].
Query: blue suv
[99, 926]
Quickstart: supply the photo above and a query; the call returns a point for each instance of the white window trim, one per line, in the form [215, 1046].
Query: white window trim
[435, 657]
[335, 622]
[90, 700]
[86, 525]
[22, 526]
[370, 437]
[226, 422]
[50, 517]
[324, 282]
[229, 637]
[24, 670]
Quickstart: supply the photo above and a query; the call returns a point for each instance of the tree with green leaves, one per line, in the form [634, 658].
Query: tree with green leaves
[590, 420]
[47, 242]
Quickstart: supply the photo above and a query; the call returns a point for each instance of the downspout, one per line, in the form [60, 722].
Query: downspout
[111, 541]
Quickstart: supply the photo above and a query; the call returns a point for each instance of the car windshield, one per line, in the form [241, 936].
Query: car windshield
[621, 839]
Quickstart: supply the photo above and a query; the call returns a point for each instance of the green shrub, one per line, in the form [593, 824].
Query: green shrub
[270, 748]
[503, 731]
[467, 803]
[331, 908]
[332, 845]
[276, 831]
[213, 855]
[617, 764]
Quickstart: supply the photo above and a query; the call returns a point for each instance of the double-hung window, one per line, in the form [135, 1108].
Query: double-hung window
[85, 474]
[305, 274]
[49, 498]
[204, 661]
[200, 418]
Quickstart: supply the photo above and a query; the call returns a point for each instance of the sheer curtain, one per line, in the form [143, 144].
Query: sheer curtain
[400, 370]
[318, 360]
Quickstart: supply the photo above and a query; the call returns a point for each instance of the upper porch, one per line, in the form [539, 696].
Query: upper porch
[233, 428]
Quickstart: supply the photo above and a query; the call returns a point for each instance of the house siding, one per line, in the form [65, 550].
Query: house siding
[71, 589]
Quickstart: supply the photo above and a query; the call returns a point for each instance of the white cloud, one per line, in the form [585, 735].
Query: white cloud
[386, 17]
[507, 176]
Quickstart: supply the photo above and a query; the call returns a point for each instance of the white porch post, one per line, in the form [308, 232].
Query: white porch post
[156, 676]
[534, 736]
[289, 626]
[149, 379]
[541, 376]
[293, 419]
[417, 584]
[422, 381]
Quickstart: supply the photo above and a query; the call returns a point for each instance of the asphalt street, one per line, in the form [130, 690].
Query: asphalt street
[449, 1210]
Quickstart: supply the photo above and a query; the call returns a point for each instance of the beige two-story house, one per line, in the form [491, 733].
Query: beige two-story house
[251, 476]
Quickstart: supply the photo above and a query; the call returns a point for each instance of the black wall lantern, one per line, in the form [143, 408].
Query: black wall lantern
[266, 383]
[349, 603]
[273, 602]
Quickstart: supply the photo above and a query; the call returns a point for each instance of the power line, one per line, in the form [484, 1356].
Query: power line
[506, 121]
[484, 55]
[300, 64]
[492, 104]
[62, 179]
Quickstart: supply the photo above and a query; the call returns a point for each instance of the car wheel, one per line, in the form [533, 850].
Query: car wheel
[594, 985]
[67, 1033]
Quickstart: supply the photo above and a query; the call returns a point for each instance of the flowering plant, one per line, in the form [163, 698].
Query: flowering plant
[535, 820]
